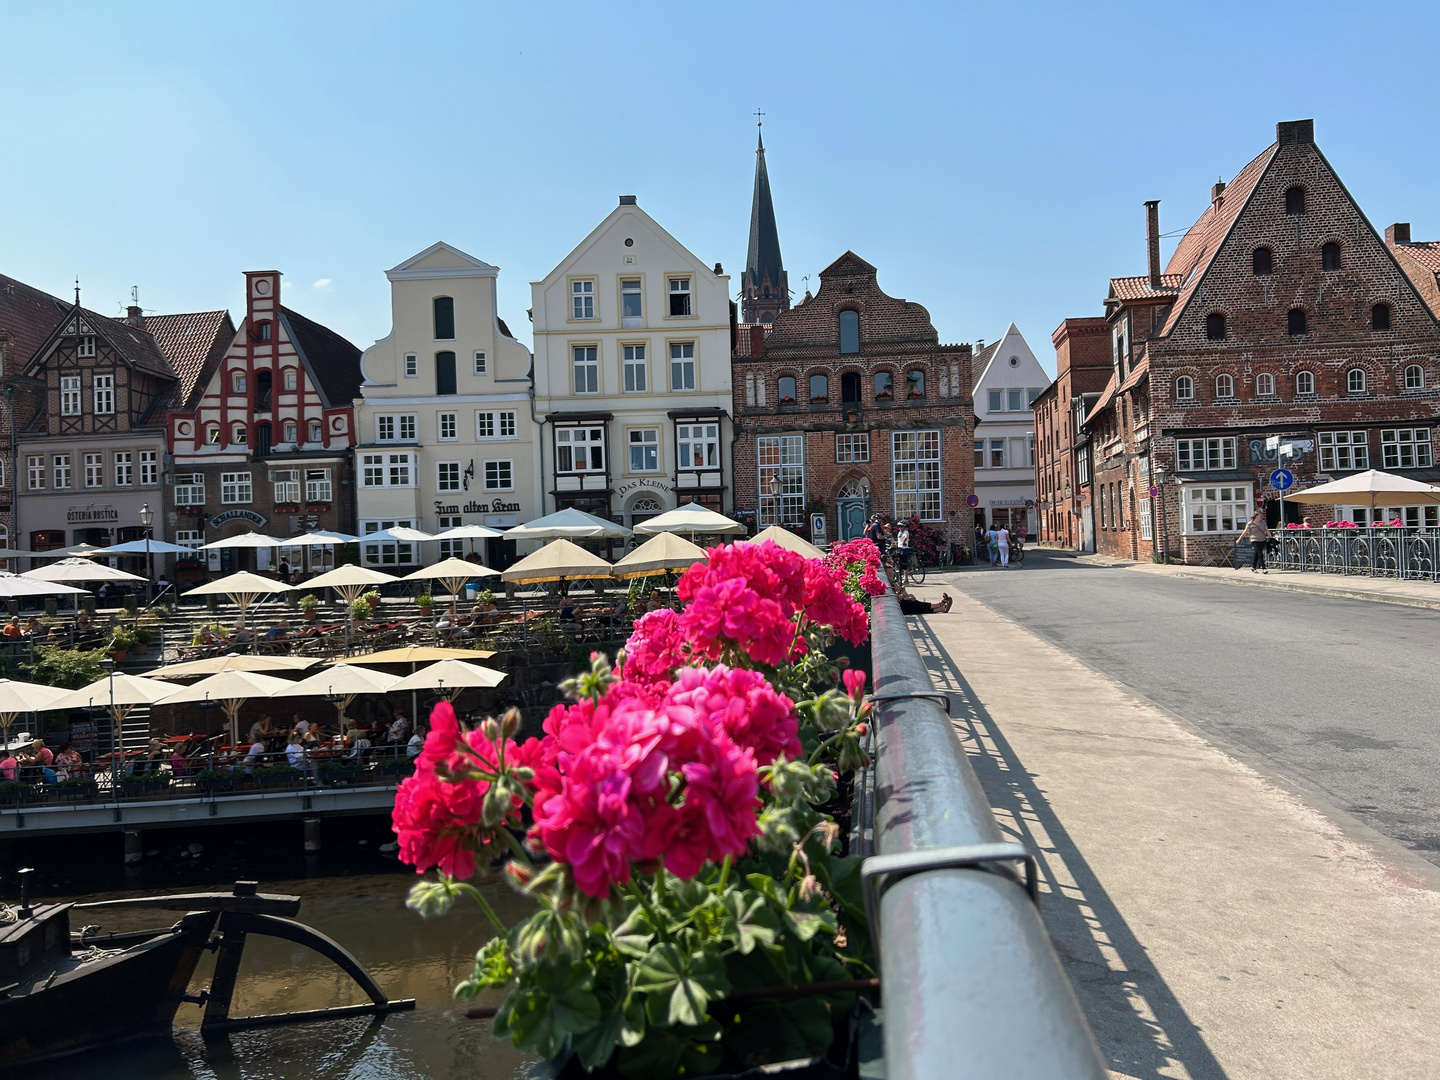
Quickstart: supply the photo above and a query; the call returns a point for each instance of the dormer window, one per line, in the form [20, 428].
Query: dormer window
[85, 347]
[849, 333]
[1295, 200]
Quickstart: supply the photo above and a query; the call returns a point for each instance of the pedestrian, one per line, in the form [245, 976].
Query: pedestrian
[980, 543]
[902, 547]
[1002, 541]
[992, 545]
[1258, 533]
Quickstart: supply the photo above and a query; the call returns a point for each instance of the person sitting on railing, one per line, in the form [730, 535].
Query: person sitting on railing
[910, 606]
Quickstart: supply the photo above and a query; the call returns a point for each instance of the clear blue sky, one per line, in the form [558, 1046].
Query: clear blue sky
[990, 159]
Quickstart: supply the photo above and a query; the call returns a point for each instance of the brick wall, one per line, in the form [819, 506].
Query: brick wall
[1082, 364]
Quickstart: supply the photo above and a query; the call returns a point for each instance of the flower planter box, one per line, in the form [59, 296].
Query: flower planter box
[213, 784]
[288, 508]
[13, 793]
[276, 780]
[141, 786]
[72, 789]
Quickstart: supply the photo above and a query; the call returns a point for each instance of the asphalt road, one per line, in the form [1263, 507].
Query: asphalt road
[1342, 696]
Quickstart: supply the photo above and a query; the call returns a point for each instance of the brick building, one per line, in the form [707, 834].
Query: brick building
[850, 405]
[1062, 451]
[1281, 317]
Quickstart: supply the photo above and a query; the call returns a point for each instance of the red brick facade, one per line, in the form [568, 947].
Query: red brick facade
[1281, 313]
[890, 390]
[1062, 489]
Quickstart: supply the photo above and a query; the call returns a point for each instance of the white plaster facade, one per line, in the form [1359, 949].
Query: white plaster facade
[632, 373]
[444, 430]
[1007, 380]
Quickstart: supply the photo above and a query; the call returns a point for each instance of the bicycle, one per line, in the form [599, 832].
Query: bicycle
[913, 572]
[1017, 551]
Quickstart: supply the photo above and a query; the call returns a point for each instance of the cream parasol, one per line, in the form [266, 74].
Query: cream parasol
[243, 589]
[1371, 488]
[452, 574]
[17, 585]
[213, 665]
[692, 518]
[660, 554]
[568, 523]
[80, 570]
[342, 684]
[559, 560]
[243, 540]
[450, 677]
[786, 539]
[419, 654]
[230, 689]
[18, 698]
[118, 692]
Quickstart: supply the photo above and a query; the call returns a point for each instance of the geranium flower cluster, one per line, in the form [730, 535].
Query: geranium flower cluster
[756, 601]
[859, 561]
[1341, 525]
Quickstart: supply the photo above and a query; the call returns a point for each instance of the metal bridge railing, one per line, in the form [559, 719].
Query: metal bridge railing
[971, 984]
[1388, 551]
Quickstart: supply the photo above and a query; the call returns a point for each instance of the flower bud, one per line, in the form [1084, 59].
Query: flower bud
[490, 728]
[510, 723]
[809, 887]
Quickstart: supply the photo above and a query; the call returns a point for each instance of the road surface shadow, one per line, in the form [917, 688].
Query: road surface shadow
[1143, 1030]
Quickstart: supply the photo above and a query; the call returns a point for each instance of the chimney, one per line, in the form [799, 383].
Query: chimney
[627, 200]
[1152, 240]
[1399, 233]
[757, 339]
[135, 316]
[1217, 191]
[1295, 132]
[719, 270]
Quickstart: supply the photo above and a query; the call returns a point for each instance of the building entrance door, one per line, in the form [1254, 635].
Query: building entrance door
[1087, 528]
[853, 514]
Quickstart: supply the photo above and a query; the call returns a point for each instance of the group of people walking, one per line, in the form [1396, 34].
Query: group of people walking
[996, 542]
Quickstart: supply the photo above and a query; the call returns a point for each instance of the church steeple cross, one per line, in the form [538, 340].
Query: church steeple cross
[758, 115]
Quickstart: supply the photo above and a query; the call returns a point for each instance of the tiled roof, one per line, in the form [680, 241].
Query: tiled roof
[28, 316]
[1425, 254]
[981, 360]
[1138, 288]
[333, 361]
[1102, 402]
[193, 343]
[1199, 245]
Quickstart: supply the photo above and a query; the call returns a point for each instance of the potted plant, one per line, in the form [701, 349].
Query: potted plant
[121, 641]
[144, 784]
[213, 780]
[360, 610]
[426, 602]
[12, 792]
[77, 787]
[143, 637]
[308, 604]
[372, 598]
[275, 775]
[338, 771]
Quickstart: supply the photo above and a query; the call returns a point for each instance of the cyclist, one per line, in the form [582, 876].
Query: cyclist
[902, 548]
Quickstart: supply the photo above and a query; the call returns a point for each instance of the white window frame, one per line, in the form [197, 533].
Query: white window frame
[1204, 455]
[1344, 451]
[995, 402]
[125, 468]
[1406, 448]
[395, 428]
[698, 445]
[318, 488]
[582, 299]
[1356, 381]
[566, 443]
[85, 346]
[236, 489]
[915, 475]
[980, 455]
[585, 369]
[1184, 388]
[237, 382]
[190, 489]
[60, 472]
[103, 394]
[290, 432]
[496, 424]
[781, 456]
[645, 442]
[1146, 528]
[1211, 510]
[1264, 384]
[499, 474]
[286, 483]
[70, 395]
[482, 365]
[1304, 383]
[852, 449]
[192, 539]
[679, 286]
[632, 287]
[1418, 383]
[682, 367]
[1224, 386]
[317, 431]
[634, 369]
[35, 469]
[388, 470]
[412, 365]
[94, 470]
[999, 448]
[447, 476]
[149, 468]
[239, 434]
[387, 552]
[289, 380]
[447, 426]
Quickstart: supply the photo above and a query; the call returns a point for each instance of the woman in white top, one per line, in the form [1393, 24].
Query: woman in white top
[1002, 541]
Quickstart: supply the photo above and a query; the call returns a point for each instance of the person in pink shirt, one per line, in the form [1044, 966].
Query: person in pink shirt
[9, 767]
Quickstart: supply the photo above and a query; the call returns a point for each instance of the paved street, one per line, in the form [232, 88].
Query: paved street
[1339, 696]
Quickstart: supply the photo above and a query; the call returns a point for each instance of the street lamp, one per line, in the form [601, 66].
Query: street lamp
[146, 516]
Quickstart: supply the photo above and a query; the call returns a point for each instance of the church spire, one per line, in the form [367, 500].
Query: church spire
[765, 289]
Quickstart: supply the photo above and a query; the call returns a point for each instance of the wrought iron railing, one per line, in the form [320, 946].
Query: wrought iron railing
[1387, 551]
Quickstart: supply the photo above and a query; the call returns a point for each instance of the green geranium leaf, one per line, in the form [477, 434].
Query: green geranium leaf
[634, 936]
[596, 1046]
[492, 968]
[806, 924]
[748, 920]
[557, 1002]
[684, 982]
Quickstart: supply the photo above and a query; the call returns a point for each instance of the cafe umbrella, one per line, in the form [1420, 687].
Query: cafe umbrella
[118, 692]
[80, 570]
[559, 560]
[1371, 488]
[230, 689]
[786, 539]
[14, 586]
[660, 554]
[18, 698]
[213, 665]
[568, 524]
[691, 519]
[340, 684]
[243, 589]
[450, 677]
[452, 574]
[349, 581]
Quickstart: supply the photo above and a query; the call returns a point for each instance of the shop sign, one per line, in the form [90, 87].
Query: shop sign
[237, 515]
[500, 521]
[636, 485]
[82, 735]
[84, 515]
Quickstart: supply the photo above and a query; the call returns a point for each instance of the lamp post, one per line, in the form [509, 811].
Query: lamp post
[1160, 473]
[146, 517]
[774, 488]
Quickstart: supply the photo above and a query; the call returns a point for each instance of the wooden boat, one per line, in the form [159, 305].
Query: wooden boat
[61, 991]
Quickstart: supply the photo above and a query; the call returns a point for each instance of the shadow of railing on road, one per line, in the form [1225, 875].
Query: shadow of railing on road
[1142, 1028]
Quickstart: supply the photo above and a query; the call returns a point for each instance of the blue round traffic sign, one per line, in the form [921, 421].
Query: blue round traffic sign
[1282, 479]
[972, 501]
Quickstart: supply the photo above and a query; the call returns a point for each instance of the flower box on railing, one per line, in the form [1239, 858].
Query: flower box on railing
[195, 511]
[317, 508]
[287, 508]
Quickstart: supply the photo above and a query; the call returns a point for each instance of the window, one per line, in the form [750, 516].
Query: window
[212, 434]
[412, 366]
[499, 476]
[1295, 321]
[444, 307]
[238, 435]
[852, 449]
[444, 374]
[915, 458]
[582, 299]
[849, 333]
[1414, 377]
[786, 390]
[1030, 396]
[1198, 455]
[1216, 509]
[1015, 400]
[699, 445]
[287, 486]
[262, 330]
[997, 401]
[1330, 256]
[192, 539]
[819, 390]
[495, 425]
[448, 427]
[1304, 382]
[579, 449]
[124, 469]
[1262, 262]
[884, 386]
[1145, 525]
[35, 468]
[1380, 317]
[94, 470]
[60, 471]
[481, 366]
[104, 395]
[1355, 381]
[979, 453]
[645, 450]
[290, 431]
[1344, 451]
[450, 549]
[393, 428]
[1264, 385]
[1215, 326]
[1406, 448]
[850, 388]
[1184, 388]
[631, 302]
[237, 382]
[781, 463]
[317, 486]
[387, 470]
[682, 365]
[679, 297]
[586, 361]
[447, 476]
[388, 552]
[1224, 386]
[190, 489]
[634, 369]
[316, 434]
[85, 346]
[149, 468]
[235, 487]
[915, 384]
[1295, 200]
[289, 379]
[69, 395]
[997, 453]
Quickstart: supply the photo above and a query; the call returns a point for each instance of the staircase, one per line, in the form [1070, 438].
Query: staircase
[135, 732]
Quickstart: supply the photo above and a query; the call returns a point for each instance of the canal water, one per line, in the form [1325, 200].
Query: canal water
[354, 893]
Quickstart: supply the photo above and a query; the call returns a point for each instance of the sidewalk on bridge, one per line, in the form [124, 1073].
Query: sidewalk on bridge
[1215, 923]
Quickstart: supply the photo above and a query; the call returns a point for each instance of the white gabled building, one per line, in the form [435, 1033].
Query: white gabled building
[632, 374]
[444, 435]
[1007, 380]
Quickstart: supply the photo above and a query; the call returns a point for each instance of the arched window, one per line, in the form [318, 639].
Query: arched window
[316, 432]
[1414, 377]
[1330, 256]
[884, 386]
[1380, 317]
[1295, 321]
[237, 435]
[212, 434]
[819, 389]
[1265, 384]
[1224, 386]
[787, 390]
[1215, 326]
[1295, 200]
[1355, 381]
[1304, 382]
[444, 318]
[850, 388]
[915, 383]
[290, 431]
[849, 333]
[1184, 388]
[1262, 262]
